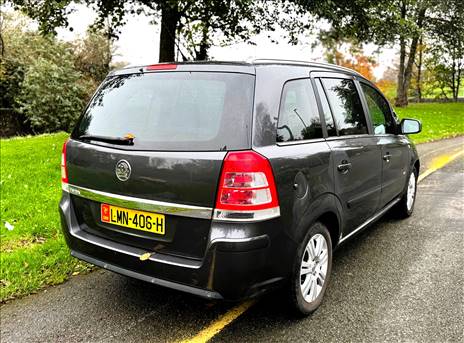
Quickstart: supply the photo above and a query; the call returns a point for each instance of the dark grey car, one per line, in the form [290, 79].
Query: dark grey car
[226, 180]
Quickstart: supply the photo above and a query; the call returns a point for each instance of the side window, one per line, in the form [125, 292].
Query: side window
[331, 131]
[346, 106]
[298, 116]
[379, 111]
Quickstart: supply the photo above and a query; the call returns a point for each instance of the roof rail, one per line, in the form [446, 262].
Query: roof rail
[309, 63]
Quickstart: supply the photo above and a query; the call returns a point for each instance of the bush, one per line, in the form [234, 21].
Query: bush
[46, 82]
[51, 95]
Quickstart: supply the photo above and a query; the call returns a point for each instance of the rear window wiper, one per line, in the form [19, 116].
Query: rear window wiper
[128, 140]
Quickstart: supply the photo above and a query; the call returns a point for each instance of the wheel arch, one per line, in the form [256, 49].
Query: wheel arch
[416, 165]
[332, 222]
[327, 210]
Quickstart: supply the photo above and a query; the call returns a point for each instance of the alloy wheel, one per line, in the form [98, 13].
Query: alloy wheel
[313, 268]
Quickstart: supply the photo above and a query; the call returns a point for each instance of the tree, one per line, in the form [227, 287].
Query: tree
[447, 46]
[38, 79]
[355, 59]
[418, 66]
[93, 55]
[194, 21]
[395, 22]
[51, 97]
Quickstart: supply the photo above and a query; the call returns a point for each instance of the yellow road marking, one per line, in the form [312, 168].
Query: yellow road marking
[219, 324]
[210, 331]
[438, 163]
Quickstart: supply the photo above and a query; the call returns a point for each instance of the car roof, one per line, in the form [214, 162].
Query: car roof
[239, 66]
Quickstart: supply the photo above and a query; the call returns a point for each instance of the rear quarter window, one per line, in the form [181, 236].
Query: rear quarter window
[188, 111]
[298, 115]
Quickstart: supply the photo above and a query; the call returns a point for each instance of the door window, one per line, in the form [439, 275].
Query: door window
[331, 131]
[298, 116]
[346, 106]
[379, 111]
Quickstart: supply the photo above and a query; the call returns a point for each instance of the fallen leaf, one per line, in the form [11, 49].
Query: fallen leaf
[5, 283]
[145, 256]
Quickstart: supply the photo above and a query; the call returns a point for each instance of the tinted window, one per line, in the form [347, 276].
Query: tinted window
[331, 131]
[346, 106]
[379, 110]
[298, 115]
[173, 110]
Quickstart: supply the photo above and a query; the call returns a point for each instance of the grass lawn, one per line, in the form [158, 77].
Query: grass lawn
[33, 253]
[439, 120]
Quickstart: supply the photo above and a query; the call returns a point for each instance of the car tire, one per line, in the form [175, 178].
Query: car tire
[311, 270]
[405, 206]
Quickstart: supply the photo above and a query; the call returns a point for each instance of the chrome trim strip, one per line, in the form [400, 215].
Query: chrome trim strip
[139, 203]
[370, 220]
[246, 216]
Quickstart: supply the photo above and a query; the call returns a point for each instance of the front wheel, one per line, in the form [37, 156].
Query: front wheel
[311, 270]
[405, 207]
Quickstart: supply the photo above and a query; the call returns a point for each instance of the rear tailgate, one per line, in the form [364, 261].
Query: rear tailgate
[180, 185]
[184, 123]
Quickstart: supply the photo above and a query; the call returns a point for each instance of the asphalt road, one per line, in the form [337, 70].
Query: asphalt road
[396, 281]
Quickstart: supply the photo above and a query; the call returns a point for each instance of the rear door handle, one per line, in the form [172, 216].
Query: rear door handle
[387, 157]
[344, 167]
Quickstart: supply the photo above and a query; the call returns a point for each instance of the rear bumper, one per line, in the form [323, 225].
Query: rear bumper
[241, 260]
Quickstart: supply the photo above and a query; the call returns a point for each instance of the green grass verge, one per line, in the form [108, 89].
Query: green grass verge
[33, 254]
[439, 120]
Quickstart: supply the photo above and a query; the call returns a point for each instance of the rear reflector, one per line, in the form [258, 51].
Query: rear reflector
[161, 66]
[64, 169]
[247, 190]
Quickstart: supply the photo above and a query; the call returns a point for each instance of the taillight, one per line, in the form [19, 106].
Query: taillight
[247, 189]
[64, 170]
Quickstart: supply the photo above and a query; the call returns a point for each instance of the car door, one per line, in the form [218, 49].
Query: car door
[356, 156]
[395, 148]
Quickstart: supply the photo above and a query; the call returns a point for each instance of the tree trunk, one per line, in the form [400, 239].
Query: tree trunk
[202, 53]
[399, 101]
[419, 72]
[453, 80]
[400, 79]
[402, 96]
[458, 82]
[169, 21]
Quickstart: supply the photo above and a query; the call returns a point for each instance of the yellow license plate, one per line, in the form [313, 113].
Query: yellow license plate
[138, 220]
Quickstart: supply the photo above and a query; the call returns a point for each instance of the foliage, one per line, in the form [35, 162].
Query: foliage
[386, 23]
[446, 51]
[33, 254]
[358, 61]
[195, 25]
[93, 55]
[51, 96]
[47, 81]
[388, 88]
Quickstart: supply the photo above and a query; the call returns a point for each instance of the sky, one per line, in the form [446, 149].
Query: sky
[139, 40]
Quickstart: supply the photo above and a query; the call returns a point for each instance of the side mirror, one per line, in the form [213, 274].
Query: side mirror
[409, 126]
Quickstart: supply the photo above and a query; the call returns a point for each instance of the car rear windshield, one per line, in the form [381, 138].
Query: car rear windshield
[180, 111]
